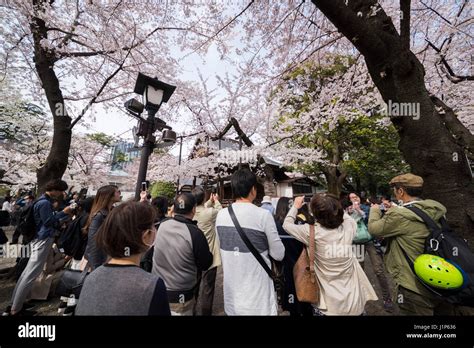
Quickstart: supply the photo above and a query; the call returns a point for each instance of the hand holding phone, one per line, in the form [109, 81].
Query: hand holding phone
[298, 202]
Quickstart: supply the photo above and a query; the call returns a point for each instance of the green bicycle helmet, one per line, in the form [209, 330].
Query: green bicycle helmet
[437, 272]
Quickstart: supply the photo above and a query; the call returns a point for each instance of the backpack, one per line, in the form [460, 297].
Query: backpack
[443, 242]
[26, 222]
[72, 238]
[4, 218]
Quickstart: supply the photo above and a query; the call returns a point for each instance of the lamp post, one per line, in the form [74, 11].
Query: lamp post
[179, 162]
[154, 92]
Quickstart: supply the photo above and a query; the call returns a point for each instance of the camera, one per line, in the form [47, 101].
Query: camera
[307, 199]
[144, 186]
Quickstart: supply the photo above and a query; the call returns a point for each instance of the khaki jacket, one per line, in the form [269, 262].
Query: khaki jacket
[404, 230]
[206, 219]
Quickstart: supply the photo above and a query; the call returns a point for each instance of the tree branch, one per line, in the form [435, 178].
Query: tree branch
[8, 53]
[105, 52]
[461, 134]
[433, 10]
[233, 122]
[74, 25]
[220, 30]
[405, 23]
[295, 64]
[282, 139]
[93, 100]
[452, 76]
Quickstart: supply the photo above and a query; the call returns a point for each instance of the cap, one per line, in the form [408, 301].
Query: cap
[408, 180]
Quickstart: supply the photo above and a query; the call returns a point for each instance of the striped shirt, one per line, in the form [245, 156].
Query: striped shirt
[248, 290]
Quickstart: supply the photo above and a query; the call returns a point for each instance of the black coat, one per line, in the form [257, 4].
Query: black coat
[293, 249]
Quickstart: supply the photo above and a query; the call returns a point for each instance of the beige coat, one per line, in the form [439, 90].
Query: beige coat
[344, 286]
[206, 220]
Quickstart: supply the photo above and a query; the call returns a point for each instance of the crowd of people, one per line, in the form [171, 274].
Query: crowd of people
[155, 257]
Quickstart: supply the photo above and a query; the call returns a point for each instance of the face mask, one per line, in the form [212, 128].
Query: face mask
[150, 245]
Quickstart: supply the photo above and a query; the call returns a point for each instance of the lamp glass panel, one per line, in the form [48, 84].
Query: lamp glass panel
[153, 95]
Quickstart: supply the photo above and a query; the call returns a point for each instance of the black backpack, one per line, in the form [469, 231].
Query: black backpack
[72, 239]
[443, 242]
[4, 218]
[26, 222]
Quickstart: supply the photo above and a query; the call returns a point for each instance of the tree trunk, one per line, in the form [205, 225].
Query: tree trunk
[335, 179]
[57, 159]
[335, 176]
[332, 185]
[434, 145]
[268, 185]
[358, 186]
[371, 185]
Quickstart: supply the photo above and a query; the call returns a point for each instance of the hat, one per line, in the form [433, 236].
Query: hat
[408, 180]
[266, 199]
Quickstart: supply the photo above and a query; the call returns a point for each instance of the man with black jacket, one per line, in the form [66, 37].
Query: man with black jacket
[46, 222]
[181, 254]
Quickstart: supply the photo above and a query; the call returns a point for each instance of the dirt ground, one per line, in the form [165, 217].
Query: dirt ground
[49, 307]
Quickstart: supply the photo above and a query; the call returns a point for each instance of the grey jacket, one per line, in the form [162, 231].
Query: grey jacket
[181, 253]
[122, 290]
[93, 253]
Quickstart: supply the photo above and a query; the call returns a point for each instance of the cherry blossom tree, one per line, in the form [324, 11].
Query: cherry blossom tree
[315, 113]
[75, 54]
[89, 163]
[399, 76]
[24, 130]
[418, 54]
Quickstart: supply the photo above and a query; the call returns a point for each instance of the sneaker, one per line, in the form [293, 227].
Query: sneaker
[26, 306]
[23, 313]
[62, 307]
[69, 311]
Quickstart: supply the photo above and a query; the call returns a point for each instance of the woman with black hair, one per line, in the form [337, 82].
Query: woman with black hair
[293, 250]
[161, 206]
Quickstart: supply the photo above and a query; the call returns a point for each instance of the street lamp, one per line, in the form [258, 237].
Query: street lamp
[154, 92]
